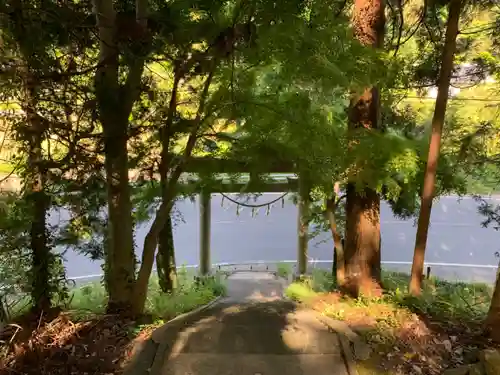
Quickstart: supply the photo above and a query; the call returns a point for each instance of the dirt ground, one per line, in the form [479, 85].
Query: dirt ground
[404, 342]
[56, 345]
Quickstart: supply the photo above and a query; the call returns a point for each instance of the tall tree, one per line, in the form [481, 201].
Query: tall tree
[222, 66]
[41, 86]
[115, 101]
[29, 57]
[362, 241]
[35, 186]
[446, 70]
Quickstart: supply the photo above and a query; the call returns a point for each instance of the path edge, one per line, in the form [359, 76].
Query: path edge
[344, 333]
[152, 364]
[346, 337]
[159, 358]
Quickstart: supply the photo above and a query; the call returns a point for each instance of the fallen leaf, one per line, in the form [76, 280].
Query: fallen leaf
[408, 355]
[447, 345]
[459, 350]
[417, 369]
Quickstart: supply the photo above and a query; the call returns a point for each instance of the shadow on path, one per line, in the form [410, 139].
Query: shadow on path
[253, 331]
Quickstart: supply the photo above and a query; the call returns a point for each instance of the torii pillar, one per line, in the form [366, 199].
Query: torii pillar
[303, 225]
[205, 219]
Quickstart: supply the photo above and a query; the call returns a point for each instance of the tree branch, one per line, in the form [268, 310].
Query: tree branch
[163, 212]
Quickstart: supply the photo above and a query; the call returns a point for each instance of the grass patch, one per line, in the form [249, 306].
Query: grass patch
[91, 298]
[440, 328]
[319, 281]
[6, 168]
[300, 291]
[95, 342]
[188, 296]
[447, 302]
[284, 270]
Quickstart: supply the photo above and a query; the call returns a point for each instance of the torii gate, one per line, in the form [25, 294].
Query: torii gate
[201, 165]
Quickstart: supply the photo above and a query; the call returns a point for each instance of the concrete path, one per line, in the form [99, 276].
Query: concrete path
[253, 331]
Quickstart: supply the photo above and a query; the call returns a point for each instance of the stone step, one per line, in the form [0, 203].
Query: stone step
[254, 364]
[221, 339]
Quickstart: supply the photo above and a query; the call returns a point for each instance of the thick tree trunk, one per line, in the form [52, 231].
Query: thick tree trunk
[362, 253]
[492, 323]
[120, 258]
[362, 242]
[417, 268]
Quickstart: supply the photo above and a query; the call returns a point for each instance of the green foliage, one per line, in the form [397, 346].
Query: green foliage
[188, 296]
[92, 298]
[309, 286]
[88, 299]
[280, 91]
[490, 212]
[299, 292]
[16, 270]
[443, 301]
[284, 270]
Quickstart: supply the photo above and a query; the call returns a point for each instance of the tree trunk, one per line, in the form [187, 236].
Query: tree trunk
[362, 242]
[41, 256]
[492, 323]
[40, 251]
[362, 252]
[163, 212]
[165, 259]
[417, 268]
[32, 133]
[338, 266]
[119, 258]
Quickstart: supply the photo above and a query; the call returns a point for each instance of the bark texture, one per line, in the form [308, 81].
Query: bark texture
[40, 251]
[492, 323]
[32, 133]
[417, 268]
[165, 259]
[338, 266]
[362, 241]
[114, 105]
[362, 244]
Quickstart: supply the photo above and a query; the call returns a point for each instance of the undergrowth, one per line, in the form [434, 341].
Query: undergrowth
[88, 341]
[442, 300]
[425, 334]
[91, 298]
[284, 270]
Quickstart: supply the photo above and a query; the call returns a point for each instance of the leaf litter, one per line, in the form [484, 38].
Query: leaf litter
[99, 345]
[406, 342]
